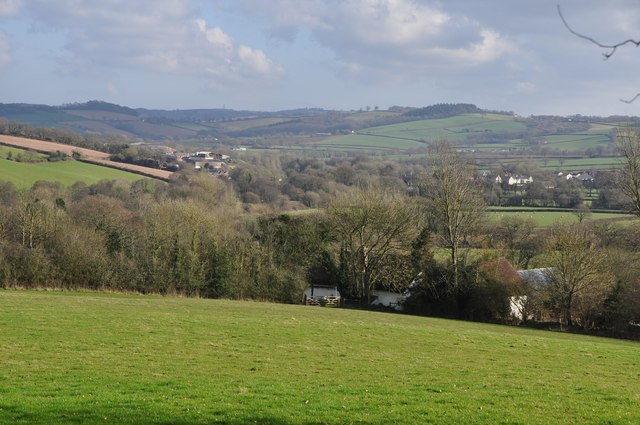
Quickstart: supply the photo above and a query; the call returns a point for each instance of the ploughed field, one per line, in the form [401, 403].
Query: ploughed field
[104, 358]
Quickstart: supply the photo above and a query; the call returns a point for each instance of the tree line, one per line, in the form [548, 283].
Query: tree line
[199, 235]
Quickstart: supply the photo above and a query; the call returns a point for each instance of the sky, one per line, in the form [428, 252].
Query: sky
[269, 55]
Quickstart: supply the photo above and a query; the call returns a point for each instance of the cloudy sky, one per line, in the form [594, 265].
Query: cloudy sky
[338, 54]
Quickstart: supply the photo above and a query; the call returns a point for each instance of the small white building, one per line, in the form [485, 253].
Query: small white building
[388, 299]
[328, 296]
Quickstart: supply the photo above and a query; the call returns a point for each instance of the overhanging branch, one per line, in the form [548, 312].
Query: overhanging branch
[631, 100]
[612, 47]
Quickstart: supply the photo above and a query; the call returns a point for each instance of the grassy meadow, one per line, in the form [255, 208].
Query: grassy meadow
[549, 218]
[417, 134]
[407, 139]
[455, 129]
[24, 174]
[104, 358]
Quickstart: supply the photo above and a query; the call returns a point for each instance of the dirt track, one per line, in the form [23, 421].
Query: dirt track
[88, 155]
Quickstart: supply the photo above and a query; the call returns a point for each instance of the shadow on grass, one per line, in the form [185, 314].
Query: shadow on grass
[18, 415]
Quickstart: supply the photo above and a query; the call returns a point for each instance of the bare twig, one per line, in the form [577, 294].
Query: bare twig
[631, 100]
[612, 47]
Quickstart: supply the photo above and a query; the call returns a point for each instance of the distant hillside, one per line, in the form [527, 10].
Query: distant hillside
[180, 125]
[103, 117]
[462, 122]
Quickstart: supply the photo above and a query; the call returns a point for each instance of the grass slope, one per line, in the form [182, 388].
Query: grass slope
[549, 218]
[24, 174]
[416, 134]
[454, 128]
[464, 130]
[97, 358]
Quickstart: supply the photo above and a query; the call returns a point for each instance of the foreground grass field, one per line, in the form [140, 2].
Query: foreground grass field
[98, 358]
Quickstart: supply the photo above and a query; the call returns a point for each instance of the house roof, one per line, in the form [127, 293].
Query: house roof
[536, 277]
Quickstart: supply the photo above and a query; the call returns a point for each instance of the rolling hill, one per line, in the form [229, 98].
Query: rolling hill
[399, 133]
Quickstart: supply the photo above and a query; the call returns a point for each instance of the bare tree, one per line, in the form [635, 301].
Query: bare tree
[456, 201]
[628, 141]
[577, 269]
[582, 212]
[517, 235]
[374, 227]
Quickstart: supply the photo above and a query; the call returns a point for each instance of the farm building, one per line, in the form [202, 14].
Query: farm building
[210, 160]
[388, 299]
[321, 296]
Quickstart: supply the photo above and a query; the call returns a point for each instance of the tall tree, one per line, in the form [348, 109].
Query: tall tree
[628, 141]
[456, 201]
[373, 227]
[577, 269]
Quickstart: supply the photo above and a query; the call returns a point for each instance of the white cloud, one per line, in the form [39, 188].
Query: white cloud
[215, 36]
[152, 35]
[384, 36]
[255, 59]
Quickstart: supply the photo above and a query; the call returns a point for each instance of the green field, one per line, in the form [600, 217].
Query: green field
[417, 135]
[549, 218]
[24, 174]
[389, 139]
[582, 163]
[577, 141]
[362, 141]
[455, 128]
[6, 151]
[98, 358]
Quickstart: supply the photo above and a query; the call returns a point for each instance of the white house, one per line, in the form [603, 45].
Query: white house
[514, 180]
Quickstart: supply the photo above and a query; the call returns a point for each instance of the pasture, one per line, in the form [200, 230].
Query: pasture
[416, 135]
[549, 218]
[104, 358]
[457, 128]
[606, 163]
[491, 137]
[24, 174]
[370, 141]
[577, 141]
[7, 152]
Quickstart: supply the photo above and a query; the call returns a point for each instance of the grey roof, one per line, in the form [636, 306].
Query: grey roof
[536, 277]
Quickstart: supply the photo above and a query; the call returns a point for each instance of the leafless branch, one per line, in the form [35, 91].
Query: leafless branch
[612, 47]
[631, 100]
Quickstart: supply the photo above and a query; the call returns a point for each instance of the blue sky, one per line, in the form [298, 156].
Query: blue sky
[337, 54]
